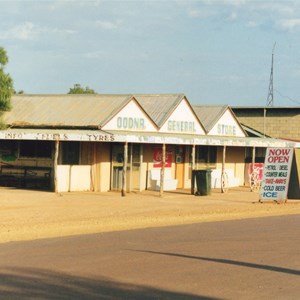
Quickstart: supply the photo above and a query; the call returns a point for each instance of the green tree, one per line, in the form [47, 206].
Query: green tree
[6, 83]
[20, 92]
[78, 89]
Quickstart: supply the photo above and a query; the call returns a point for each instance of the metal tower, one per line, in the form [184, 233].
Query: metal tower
[270, 99]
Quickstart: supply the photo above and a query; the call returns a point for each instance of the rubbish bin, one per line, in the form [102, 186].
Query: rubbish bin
[203, 182]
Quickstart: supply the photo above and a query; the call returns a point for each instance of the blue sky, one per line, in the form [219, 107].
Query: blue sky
[213, 51]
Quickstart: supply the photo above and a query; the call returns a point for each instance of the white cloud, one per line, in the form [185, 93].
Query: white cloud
[235, 2]
[94, 54]
[283, 15]
[210, 8]
[289, 24]
[284, 8]
[229, 2]
[59, 4]
[108, 24]
[252, 24]
[29, 31]
[25, 31]
[201, 13]
[233, 16]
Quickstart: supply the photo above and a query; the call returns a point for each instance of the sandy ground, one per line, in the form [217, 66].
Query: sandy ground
[29, 215]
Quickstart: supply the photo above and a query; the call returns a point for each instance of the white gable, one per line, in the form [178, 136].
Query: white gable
[182, 120]
[130, 118]
[227, 125]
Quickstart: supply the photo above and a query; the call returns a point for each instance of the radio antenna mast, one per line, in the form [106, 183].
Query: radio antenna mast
[270, 99]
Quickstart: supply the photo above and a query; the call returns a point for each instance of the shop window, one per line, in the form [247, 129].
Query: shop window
[260, 154]
[134, 153]
[36, 149]
[206, 154]
[212, 155]
[70, 153]
[8, 150]
[118, 154]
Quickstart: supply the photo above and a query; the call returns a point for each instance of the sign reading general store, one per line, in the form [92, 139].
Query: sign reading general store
[227, 125]
[183, 120]
[224, 129]
[181, 126]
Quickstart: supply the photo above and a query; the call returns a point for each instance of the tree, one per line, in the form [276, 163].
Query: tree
[78, 89]
[6, 83]
[20, 92]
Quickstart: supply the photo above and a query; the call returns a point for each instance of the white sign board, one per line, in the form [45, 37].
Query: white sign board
[183, 121]
[276, 175]
[130, 118]
[227, 125]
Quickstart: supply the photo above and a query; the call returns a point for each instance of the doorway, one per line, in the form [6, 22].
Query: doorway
[179, 161]
[133, 167]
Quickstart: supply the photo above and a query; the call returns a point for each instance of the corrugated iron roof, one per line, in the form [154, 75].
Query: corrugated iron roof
[84, 110]
[159, 107]
[253, 132]
[209, 115]
[64, 110]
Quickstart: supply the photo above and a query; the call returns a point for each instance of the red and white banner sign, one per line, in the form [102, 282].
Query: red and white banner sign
[276, 176]
[258, 168]
[157, 158]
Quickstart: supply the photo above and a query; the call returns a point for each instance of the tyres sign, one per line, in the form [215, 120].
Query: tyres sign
[276, 175]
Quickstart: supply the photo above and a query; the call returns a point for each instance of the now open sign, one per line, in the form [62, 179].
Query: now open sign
[276, 174]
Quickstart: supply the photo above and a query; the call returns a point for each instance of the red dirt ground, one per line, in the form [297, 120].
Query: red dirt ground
[29, 215]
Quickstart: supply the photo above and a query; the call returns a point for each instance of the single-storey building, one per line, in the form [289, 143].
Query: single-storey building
[281, 122]
[272, 121]
[123, 142]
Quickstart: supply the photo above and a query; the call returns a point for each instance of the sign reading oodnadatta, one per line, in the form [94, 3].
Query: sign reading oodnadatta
[277, 169]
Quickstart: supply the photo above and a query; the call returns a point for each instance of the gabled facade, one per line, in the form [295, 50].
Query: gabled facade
[219, 121]
[182, 120]
[227, 125]
[130, 118]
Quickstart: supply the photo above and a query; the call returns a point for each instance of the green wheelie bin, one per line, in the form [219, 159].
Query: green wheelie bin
[203, 182]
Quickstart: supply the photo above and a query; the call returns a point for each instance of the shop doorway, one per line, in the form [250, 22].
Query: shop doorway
[179, 160]
[134, 157]
[117, 166]
[133, 167]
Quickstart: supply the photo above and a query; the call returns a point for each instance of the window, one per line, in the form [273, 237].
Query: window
[8, 150]
[118, 154]
[260, 154]
[206, 154]
[37, 149]
[70, 153]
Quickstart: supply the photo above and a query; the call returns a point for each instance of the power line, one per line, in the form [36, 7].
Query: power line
[287, 97]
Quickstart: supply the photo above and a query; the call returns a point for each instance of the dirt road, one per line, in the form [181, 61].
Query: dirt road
[29, 215]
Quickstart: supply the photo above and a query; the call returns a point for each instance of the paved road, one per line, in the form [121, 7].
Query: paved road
[246, 259]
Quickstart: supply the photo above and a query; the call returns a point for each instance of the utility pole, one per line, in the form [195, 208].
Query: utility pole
[270, 99]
